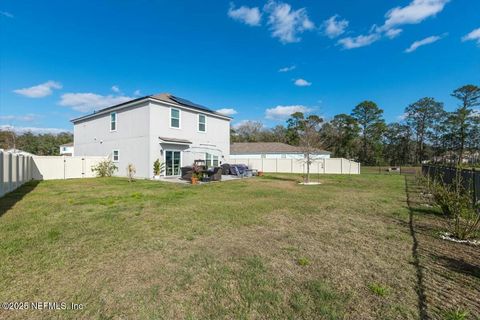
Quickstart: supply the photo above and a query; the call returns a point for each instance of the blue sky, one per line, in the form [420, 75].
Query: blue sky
[263, 59]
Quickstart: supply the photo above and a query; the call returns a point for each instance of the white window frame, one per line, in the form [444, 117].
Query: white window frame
[210, 161]
[198, 123]
[116, 121]
[179, 118]
[165, 161]
[113, 155]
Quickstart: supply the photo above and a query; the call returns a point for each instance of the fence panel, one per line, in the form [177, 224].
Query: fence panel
[13, 171]
[332, 165]
[62, 167]
[470, 178]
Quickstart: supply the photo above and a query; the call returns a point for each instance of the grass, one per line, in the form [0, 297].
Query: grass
[379, 289]
[250, 249]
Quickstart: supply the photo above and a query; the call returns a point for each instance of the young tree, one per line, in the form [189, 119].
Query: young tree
[462, 118]
[421, 117]
[308, 131]
[372, 125]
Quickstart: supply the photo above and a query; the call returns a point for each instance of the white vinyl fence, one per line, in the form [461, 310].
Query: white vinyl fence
[324, 166]
[15, 170]
[62, 167]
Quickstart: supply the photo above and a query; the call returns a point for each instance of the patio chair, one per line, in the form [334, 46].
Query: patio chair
[215, 174]
[187, 173]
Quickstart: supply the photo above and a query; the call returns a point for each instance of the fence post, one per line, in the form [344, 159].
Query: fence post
[2, 175]
[10, 172]
[17, 172]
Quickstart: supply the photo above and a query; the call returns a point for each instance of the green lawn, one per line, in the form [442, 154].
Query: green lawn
[263, 248]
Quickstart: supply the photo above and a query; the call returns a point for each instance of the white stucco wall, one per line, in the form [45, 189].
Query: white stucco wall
[93, 137]
[216, 139]
[137, 136]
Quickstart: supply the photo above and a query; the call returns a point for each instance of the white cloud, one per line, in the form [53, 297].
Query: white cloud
[359, 41]
[334, 26]
[34, 130]
[473, 36]
[287, 69]
[24, 118]
[393, 33]
[284, 112]
[417, 44]
[227, 111]
[116, 89]
[302, 83]
[87, 102]
[286, 24]
[249, 16]
[137, 93]
[6, 14]
[39, 91]
[413, 13]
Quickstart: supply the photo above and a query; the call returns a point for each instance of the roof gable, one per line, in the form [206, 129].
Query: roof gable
[163, 97]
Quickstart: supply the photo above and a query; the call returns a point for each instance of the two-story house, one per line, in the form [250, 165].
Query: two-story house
[162, 126]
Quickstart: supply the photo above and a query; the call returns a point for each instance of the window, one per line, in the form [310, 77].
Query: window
[211, 160]
[64, 148]
[113, 121]
[202, 123]
[115, 156]
[174, 118]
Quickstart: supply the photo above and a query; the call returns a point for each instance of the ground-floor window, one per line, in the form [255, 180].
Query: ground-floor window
[116, 156]
[172, 163]
[211, 160]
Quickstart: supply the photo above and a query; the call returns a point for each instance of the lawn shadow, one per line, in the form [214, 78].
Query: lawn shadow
[283, 178]
[422, 304]
[11, 198]
[460, 266]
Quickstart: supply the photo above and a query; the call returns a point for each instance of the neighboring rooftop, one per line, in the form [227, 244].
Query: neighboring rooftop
[70, 144]
[164, 97]
[266, 147]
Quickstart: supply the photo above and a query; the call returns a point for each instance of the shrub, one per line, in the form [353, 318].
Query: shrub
[158, 167]
[104, 168]
[131, 171]
[462, 215]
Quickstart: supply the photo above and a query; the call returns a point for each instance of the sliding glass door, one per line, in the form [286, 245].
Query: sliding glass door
[172, 163]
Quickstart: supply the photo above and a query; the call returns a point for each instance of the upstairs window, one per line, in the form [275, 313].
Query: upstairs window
[202, 123]
[113, 121]
[174, 118]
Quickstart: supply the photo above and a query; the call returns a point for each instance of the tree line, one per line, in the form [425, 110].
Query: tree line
[39, 144]
[426, 132]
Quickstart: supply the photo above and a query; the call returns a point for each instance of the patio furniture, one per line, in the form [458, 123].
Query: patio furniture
[187, 173]
[238, 169]
[215, 174]
[225, 168]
